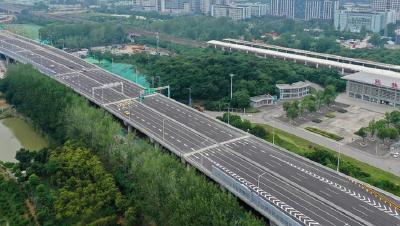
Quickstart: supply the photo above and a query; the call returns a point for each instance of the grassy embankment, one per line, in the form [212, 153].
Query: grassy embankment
[27, 30]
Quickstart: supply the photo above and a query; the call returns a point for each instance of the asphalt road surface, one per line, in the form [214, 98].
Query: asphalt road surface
[308, 193]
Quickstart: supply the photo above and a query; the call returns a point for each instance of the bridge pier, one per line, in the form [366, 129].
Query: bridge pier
[317, 65]
[342, 71]
[271, 223]
[7, 60]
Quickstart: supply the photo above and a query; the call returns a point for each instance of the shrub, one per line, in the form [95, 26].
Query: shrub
[324, 133]
[330, 115]
[316, 120]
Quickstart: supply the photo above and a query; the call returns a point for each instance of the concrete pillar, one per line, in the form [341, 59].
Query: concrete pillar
[129, 129]
[7, 60]
[265, 55]
[222, 188]
[230, 49]
[183, 160]
[305, 63]
[271, 223]
[342, 71]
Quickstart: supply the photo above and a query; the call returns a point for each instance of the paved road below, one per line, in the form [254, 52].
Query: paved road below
[385, 163]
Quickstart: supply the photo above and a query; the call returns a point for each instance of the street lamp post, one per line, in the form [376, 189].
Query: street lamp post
[273, 132]
[190, 96]
[338, 160]
[231, 84]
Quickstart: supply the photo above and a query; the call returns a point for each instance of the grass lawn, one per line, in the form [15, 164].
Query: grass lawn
[301, 146]
[27, 30]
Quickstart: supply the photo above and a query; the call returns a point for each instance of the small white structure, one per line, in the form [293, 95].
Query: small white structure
[293, 91]
[262, 100]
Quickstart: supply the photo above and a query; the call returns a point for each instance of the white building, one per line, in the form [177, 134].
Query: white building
[234, 12]
[257, 9]
[262, 100]
[377, 88]
[320, 9]
[293, 91]
[355, 21]
[284, 8]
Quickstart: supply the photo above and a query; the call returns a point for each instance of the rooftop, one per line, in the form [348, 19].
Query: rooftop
[330, 61]
[261, 98]
[390, 81]
[295, 85]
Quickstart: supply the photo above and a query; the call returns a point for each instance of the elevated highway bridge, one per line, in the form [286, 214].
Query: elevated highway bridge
[283, 187]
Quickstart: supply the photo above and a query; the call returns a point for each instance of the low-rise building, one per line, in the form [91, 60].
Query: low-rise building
[262, 100]
[356, 21]
[234, 12]
[293, 91]
[377, 88]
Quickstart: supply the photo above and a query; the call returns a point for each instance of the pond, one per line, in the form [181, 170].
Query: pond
[15, 133]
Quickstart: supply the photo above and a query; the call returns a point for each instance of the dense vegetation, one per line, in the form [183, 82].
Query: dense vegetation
[385, 129]
[310, 103]
[206, 72]
[69, 186]
[83, 35]
[13, 210]
[243, 124]
[158, 189]
[309, 35]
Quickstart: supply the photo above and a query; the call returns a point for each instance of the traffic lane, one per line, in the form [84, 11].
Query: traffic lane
[44, 62]
[297, 199]
[10, 47]
[131, 90]
[194, 124]
[182, 138]
[152, 128]
[68, 56]
[317, 185]
[60, 60]
[22, 44]
[191, 118]
[300, 163]
[101, 76]
[86, 85]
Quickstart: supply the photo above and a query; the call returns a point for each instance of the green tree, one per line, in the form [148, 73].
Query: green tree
[362, 133]
[240, 99]
[292, 112]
